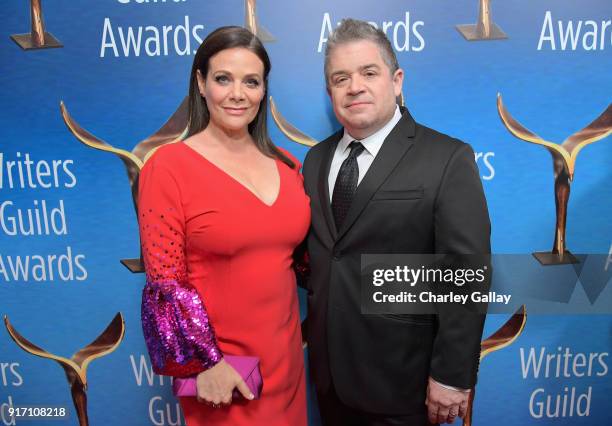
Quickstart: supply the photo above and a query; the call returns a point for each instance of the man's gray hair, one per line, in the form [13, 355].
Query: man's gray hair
[351, 30]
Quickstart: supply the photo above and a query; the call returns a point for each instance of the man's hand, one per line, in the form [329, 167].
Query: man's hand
[445, 405]
[215, 385]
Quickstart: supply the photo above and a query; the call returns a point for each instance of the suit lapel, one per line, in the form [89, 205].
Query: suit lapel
[396, 144]
[324, 197]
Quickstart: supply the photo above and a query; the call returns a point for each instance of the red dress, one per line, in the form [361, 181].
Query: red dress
[203, 230]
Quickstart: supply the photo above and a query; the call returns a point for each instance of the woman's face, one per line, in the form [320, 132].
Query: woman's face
[233, 88]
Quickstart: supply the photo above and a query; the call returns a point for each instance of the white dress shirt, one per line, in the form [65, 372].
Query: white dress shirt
[372, 145]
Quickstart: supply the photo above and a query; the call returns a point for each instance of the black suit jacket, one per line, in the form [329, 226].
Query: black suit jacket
[422, 194]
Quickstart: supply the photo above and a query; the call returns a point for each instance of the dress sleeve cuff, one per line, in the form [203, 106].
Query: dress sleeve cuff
[179, 336]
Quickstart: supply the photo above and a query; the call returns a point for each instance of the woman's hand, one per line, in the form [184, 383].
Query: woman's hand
[215, 385]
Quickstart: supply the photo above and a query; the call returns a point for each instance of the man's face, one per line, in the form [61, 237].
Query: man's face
[361, 87]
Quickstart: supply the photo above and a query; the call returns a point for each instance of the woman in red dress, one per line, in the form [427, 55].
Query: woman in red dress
[220, 215]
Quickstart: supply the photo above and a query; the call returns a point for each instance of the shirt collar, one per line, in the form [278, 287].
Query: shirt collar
[372, 143]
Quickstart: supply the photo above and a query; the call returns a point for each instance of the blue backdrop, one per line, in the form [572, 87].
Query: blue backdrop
[553, 72]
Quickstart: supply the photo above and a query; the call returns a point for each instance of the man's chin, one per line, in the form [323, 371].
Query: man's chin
[358, 119]
[358, 124]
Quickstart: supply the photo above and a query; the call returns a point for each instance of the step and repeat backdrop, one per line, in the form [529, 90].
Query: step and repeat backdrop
[85, 83]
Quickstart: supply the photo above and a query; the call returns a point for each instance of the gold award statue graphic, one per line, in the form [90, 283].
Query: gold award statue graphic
[485, 28]
[38, 38]
[172, 131]
[251, 22]
[503, 337]
[75, 367]
[564, 163]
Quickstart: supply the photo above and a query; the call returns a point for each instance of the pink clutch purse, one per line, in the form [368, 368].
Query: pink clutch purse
[246, 366]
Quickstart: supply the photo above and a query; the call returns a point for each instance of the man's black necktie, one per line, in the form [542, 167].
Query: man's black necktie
[346, 184]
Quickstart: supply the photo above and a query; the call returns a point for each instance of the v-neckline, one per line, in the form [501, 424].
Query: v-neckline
[237, 182]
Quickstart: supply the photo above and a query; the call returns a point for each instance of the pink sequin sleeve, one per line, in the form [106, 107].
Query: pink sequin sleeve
[179, 336]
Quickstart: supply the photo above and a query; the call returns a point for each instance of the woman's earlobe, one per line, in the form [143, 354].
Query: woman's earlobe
[201, 83]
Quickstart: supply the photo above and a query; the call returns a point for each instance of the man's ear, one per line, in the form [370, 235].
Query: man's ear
[201, 82]
[398, 81]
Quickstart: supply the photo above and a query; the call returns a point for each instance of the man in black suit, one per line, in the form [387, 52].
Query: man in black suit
[386, 184]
